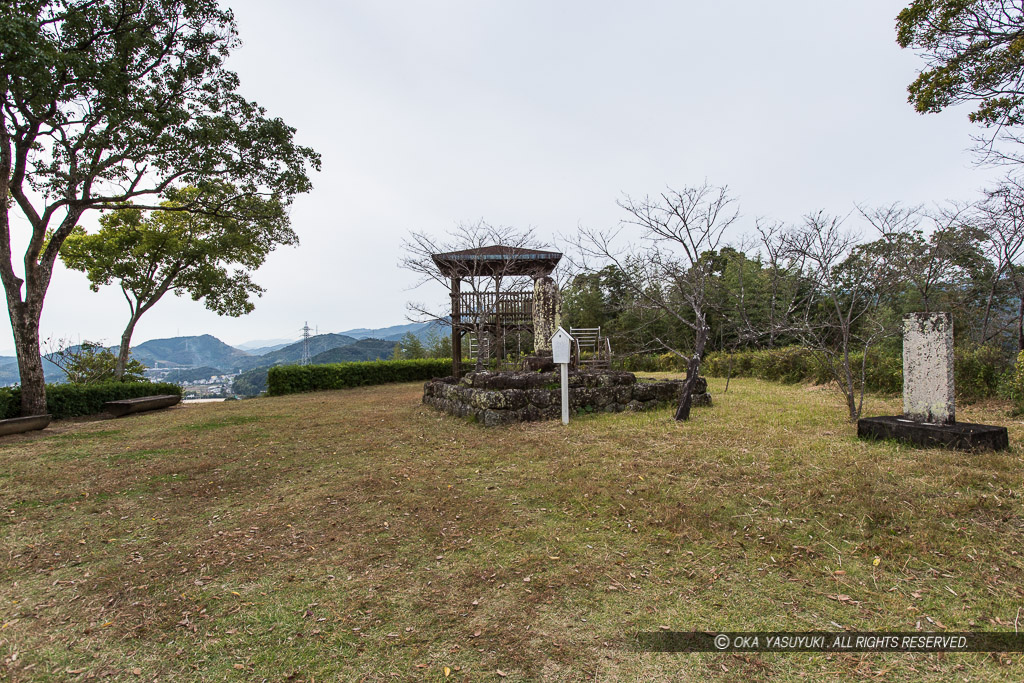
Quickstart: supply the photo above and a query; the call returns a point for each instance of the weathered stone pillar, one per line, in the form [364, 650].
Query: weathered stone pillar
[928, 401]
[547, 313]
[928, 368]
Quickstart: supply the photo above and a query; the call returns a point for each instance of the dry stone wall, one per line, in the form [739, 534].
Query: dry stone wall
[505, 398]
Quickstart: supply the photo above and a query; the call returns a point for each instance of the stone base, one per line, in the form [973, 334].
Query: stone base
[505, 398]
[962, 436]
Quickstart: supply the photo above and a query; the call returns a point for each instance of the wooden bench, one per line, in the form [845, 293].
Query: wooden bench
[137, 405]
[16, 425]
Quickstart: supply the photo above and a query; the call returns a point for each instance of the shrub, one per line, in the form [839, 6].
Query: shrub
[670, 362]
[884, 371]
[977, 371]
[1013, 386]
[639, 363]
[92, 363]
[292, 379]
[789, 364]
[75, 400]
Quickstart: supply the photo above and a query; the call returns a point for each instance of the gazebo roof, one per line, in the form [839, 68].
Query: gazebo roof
[496, 260]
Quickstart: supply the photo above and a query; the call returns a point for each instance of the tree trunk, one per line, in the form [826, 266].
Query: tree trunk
[26, 312]
[728, 374]
[849, 388]
[988, 309]
[124, 353]
[692, 372]
[851, 405]
[1020, 324]
[30, 361]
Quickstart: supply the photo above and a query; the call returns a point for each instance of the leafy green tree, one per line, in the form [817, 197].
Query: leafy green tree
[440, 346]
[973, 50]
[91, 362]
[105, 102]
[411, 347]
[925, 273]
[187, 253]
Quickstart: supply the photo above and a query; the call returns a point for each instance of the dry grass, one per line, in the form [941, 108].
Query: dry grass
[357, 535]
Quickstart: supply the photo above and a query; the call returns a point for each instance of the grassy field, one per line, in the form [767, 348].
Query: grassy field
[357, 535]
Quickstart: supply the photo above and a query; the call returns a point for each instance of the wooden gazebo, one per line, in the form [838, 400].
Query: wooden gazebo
[497, 311]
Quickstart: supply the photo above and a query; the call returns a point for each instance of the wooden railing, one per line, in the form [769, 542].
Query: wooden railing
[513, 308]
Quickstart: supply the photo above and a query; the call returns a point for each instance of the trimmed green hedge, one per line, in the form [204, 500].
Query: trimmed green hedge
[293, 379]
[75, 400]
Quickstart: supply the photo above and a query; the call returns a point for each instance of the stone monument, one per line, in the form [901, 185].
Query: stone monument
[929, 406]
[547, 313]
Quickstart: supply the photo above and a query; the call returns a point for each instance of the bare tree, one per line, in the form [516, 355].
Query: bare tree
[836, 313]
[937, 267]
[778, 294]
[666, 264]
[1001, 217]
[489, 280]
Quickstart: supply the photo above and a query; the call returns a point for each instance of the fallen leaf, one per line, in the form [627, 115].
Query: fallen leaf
[501, 673]
[447, 671]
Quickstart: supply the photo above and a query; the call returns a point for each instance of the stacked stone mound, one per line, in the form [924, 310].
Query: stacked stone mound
[494, 398]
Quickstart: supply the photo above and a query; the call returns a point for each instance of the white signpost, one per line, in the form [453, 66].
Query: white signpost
[561, 351]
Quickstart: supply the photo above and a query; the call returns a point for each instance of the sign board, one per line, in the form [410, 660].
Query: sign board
[561, 345]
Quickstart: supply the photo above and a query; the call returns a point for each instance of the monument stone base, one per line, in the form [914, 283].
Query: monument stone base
[962, 436]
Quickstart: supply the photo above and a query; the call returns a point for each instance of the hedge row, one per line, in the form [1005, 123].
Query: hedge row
[884, 370]
[979, 372]
[74, 400]
[293, 379]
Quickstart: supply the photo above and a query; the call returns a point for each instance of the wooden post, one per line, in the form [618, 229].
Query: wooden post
[565, 392]
[456, 328]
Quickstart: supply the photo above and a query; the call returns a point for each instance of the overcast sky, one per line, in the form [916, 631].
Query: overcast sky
[540, 114]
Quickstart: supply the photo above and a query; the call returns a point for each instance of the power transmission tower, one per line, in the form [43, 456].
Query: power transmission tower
[305, 344]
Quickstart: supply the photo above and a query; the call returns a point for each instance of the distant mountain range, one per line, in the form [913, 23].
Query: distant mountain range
[190, 352]
[259, 347]
[182, 359]
[9, 371]
[254, 381]
[254, 345]
[396, 332]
